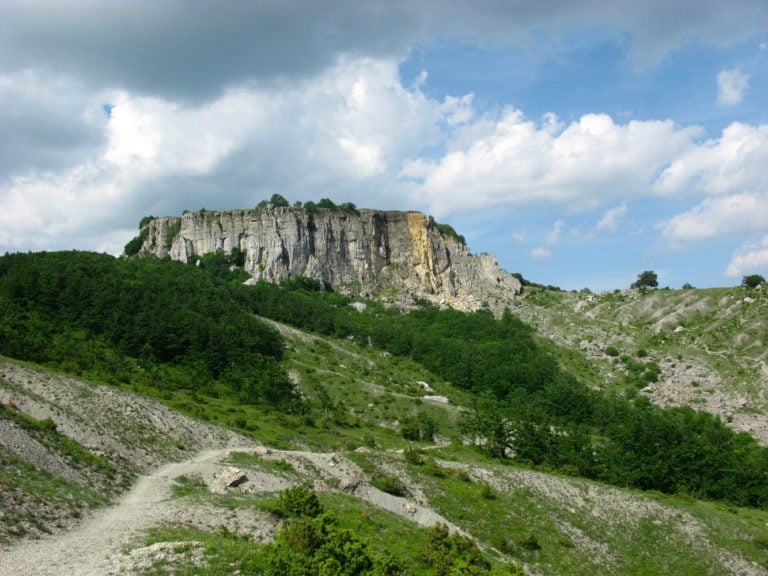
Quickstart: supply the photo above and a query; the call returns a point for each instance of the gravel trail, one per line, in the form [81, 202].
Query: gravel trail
[94, 548]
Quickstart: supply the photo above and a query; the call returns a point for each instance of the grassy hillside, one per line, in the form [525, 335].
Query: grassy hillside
[547, 523]
[529, 438]
[710, 346]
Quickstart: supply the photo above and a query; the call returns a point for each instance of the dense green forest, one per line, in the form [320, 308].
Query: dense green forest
[168, 325]
[171, 325]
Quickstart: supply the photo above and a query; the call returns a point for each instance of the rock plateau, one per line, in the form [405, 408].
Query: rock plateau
[393, 255]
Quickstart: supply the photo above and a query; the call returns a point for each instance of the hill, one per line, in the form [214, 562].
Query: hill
[706, 348]
[183, 517]
[527, 440]
[392, 255]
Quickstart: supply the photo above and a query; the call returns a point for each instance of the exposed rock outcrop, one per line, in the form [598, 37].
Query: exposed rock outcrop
[390, 254]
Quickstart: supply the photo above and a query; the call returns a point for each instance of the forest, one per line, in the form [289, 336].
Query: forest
[168, 325]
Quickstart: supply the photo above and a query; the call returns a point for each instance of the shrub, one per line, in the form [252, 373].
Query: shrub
[487, 493]
[453, 553]
[389, 484]
[299, 501]
[317, 546]
[530, 542]
[432, 468]
[413, 455]
[612, 351]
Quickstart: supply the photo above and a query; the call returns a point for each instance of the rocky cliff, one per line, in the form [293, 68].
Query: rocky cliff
[392, 255]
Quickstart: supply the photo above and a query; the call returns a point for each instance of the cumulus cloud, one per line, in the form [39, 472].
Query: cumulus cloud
[352, 124]
[114, 109]
[731, 87]
[737, 214]
[514, 160]
[750, 259]
[730, 164]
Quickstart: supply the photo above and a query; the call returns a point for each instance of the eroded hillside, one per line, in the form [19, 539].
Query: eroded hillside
[710, 345]
[184, 515]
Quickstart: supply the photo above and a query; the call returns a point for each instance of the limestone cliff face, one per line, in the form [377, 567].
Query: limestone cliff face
[389, 254]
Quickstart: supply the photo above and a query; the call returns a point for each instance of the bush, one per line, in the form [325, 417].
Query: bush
[453, 553]
[612, 351]
[432, 468]
[310, 546]
[299, 501]
[413, 455]
[389, 484]
[530, 542]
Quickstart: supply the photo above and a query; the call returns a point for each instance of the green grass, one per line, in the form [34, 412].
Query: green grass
[35, 501]
[678, 536]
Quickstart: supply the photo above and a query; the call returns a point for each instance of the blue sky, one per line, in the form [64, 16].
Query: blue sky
[580, 142]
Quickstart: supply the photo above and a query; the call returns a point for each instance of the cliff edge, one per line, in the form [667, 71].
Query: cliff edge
[392, 255]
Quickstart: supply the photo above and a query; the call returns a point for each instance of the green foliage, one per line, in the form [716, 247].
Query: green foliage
[413, 455]
[278, 201]
[327, 204]
[237, 256]
[315, 546]
[171, 327]
[299, 501]
[145, 221]
[454, 553]
[123, 320]
[134, 245]
[389, 484]
[448, 230]
[612, 351]
[645, 280]
[348, 207]
[419, 427]
[173, 231]
[752, 280]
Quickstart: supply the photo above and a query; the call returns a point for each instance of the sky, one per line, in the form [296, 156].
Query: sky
[580, 142]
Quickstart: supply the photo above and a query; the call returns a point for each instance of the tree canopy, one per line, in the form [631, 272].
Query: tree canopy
[752, 280]
[647, 279]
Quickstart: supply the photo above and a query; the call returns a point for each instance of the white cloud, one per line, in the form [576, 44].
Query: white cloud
[731, 87]
[553, 237]
[610, 220]
[514, 160]
[540, 253]
[731, 164]
[352, 124]
[750, 259]
[729, 172]
[518, 236]
[737, 215]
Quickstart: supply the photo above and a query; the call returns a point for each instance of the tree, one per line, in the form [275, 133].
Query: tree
[752, 281]
[327, 204]
[647, 279]
[278, 201]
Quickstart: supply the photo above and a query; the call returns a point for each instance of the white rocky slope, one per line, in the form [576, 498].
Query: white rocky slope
[400, 254]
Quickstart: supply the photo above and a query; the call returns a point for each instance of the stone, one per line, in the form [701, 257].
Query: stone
[231, 477]
[367, 252]
[349, 483]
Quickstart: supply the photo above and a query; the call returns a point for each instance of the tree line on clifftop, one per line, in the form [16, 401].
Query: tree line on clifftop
[166, 325]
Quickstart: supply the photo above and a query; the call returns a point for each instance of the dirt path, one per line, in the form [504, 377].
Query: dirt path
[97, 547]
[94, 547]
